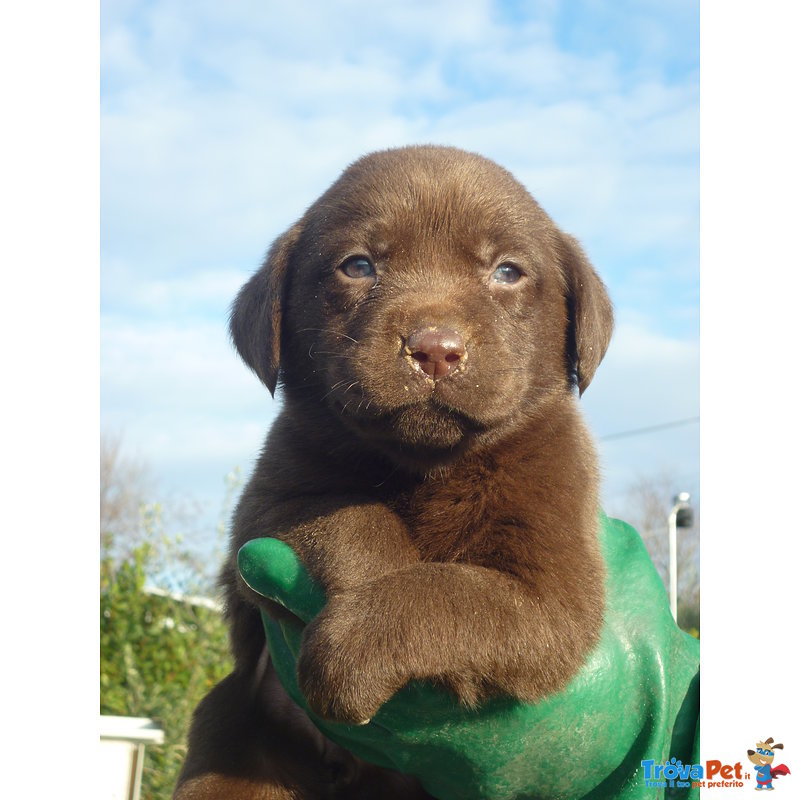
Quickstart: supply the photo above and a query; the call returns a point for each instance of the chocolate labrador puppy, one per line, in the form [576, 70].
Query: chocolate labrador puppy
[431, 328]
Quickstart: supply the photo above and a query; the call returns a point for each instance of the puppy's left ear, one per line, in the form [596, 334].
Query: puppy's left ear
[257, 312]
[591, 318]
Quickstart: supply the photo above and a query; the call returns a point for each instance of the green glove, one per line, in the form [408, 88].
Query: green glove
[636, 698]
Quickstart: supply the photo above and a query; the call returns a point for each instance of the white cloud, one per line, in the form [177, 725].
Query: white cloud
[185, 368]
[203, 293]
[646, 379]
[209, 162]
[183, 403]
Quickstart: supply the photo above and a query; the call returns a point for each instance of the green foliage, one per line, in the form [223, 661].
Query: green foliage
[689, 617]
[158, 657]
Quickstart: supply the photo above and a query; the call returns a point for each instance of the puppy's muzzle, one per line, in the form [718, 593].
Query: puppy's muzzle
[438, 352]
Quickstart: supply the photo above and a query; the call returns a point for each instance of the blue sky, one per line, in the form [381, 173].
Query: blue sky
[221, 123]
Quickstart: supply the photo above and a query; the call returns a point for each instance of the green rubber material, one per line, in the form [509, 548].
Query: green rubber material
[636, 698]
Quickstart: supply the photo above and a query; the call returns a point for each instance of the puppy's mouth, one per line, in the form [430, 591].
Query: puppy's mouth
[425, 426]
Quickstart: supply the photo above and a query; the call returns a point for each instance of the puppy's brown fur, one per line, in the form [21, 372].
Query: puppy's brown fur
[451, 517]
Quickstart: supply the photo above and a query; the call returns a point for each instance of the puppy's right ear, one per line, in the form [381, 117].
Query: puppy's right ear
[255, 320]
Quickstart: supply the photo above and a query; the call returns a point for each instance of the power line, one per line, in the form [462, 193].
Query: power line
[650, 429]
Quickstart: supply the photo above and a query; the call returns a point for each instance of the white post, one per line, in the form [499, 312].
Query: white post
[681, 504]
[122, 743]
[673, 562]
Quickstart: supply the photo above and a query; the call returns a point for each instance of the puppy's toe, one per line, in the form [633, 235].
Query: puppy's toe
[338, 684]
[338, 697]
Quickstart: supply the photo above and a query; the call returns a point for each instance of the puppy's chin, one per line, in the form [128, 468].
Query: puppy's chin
[431, 426]
[419, 435]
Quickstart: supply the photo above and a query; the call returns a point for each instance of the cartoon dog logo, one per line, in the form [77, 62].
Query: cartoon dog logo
[763, 757]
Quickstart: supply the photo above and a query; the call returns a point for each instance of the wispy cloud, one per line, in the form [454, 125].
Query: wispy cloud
[214, 130]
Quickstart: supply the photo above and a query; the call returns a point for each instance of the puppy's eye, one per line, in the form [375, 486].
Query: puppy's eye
[358, 267]
[506, 273]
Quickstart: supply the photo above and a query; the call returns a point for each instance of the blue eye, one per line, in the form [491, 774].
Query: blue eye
[358, 267]
[506, 273]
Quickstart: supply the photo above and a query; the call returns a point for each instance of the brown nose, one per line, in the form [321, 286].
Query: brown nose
[437, 351]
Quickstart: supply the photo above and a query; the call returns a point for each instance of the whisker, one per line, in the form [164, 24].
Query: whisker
[391, 473]
[333, 388]
[330, 332]
[337, 355]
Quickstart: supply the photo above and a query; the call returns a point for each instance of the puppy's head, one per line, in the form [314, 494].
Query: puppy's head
[428, 301]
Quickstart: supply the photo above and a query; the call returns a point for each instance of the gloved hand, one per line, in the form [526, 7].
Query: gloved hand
[636, 698]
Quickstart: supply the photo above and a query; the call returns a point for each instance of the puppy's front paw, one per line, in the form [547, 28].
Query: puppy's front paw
[341, 671]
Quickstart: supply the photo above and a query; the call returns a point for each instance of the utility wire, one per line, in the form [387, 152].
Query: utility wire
[650, 429]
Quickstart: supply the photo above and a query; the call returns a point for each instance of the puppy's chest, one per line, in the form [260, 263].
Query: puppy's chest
[464, 517]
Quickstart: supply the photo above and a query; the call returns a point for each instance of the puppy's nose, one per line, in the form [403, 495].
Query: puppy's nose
[437, 351]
